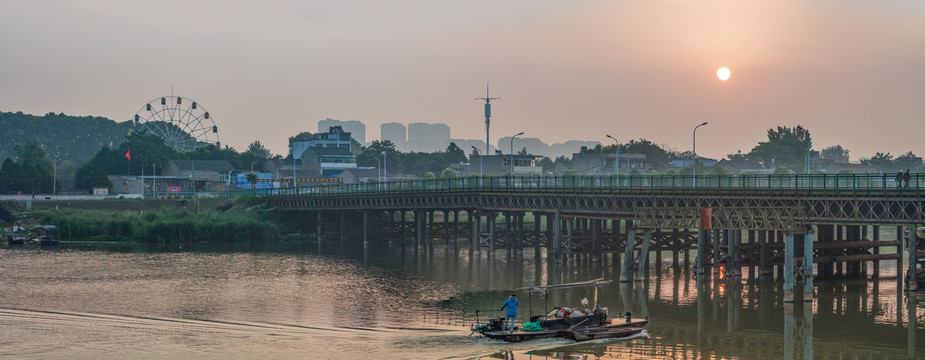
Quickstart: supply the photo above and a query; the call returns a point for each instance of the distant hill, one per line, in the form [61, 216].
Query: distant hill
[77, 138]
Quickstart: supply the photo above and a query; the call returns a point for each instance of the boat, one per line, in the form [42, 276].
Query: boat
[47, 235]
[556, 320]
[598, 332]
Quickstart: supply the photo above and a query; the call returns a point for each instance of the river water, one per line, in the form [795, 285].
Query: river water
[290, 301]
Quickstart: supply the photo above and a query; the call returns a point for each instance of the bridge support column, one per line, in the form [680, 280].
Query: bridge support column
[912, 246]
[901, 238]
[716, 250]
[596, 240]
[731, 253]
[446, 230]
[628, 256]
[675, 249]
[643, 263]
[401, 228]
[808, 266]
[318, 231]
[419, 219]
[491, 234]
[788, 267]
[343, 226]
[476, 222]
[876, 237]
[569, 243]
[365, 227]
[763, 267]
[429, 233]
[556, 245]
[520, 233]
[701, 249]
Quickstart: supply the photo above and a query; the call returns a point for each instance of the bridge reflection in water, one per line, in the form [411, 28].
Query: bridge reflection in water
[765, 226]
[696, 316]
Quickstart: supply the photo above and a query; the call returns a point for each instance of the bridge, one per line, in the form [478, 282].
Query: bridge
[732, 223]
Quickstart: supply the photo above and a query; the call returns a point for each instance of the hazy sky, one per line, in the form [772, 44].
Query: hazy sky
[852, 72]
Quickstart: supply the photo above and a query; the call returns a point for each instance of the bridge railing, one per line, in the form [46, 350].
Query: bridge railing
[814, 182]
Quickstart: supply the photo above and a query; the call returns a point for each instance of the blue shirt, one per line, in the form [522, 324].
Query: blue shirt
[511, 305]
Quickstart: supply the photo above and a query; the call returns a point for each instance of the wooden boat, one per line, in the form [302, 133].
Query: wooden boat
[598, 332]
[15, 240]
[494, 328]
[47, 235]
[519, 335]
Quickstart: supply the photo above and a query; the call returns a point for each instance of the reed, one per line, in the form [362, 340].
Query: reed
[163, 226]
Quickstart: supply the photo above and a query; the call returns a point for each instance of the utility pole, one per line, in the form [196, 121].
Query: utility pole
[488, 100]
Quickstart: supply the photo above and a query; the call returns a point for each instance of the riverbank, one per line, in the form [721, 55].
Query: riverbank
[158, 221]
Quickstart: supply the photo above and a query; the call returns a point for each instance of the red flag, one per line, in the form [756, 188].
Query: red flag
[128, 154]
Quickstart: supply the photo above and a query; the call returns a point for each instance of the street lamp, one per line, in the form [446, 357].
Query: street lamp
[695, 152]
[385, 165]
[512, 154]
[616, 163]
[480, 160]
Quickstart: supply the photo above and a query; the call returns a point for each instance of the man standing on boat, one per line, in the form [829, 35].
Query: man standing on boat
[511, 305]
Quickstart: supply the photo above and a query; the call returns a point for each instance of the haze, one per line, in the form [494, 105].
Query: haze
[850, 71]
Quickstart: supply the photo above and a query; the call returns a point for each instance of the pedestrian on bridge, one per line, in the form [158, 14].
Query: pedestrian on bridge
[906, 178]
[511, 305]
[899, 179]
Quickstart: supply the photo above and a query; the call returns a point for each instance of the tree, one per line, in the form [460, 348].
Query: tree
[737, 156]
[454, 155]
[252, 178]
[523, 152]
[884, 161]
[719, 170]
[570, 173]
[448, 173]
[781, 170]
[429, 176]
[908, 161]
[258, 150]
[99, 178]
[835, 153]
[35, 153]
[785, 146]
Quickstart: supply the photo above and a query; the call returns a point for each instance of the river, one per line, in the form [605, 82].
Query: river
[290, 301]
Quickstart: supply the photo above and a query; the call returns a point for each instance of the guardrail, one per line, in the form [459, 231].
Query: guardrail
[815, 182]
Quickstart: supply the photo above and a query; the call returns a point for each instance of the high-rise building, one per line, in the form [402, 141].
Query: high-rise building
[424, 137]
[356, 128]
[395, 133]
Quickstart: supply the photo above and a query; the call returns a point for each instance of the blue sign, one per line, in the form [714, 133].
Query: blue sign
[264, 181]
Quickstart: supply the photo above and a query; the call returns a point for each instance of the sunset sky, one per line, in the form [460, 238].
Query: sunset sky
[852, 72]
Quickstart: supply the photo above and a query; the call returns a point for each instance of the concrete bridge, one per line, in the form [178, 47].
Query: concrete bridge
[847, 224]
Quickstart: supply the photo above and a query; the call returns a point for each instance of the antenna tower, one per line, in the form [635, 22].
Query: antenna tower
[488, 100]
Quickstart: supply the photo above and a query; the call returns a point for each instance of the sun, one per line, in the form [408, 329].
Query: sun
[723, 73]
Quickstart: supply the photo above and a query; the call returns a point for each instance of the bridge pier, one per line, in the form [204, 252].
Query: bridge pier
[788, 267]
[643, 263]
[491, 234]
[808, 266]
[475, 245]
[912, 247]
[701, 249]
[557, 237]
[716, 250]
[764, 269]
[628, 256]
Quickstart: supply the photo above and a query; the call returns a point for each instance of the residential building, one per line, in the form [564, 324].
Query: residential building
[396, 133]
[499, 165]
[356, 128]
[424, 137]
[329, 161]
[197, 175]
[336, 137]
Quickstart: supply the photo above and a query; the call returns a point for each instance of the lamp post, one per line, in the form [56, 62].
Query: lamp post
[252, 165]
[616, 162]
[385, 166]
[695, 152]
[512, 154]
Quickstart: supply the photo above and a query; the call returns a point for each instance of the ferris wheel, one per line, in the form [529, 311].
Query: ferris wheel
[182, 123]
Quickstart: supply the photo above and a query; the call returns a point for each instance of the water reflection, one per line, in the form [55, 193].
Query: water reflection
[389, 288]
